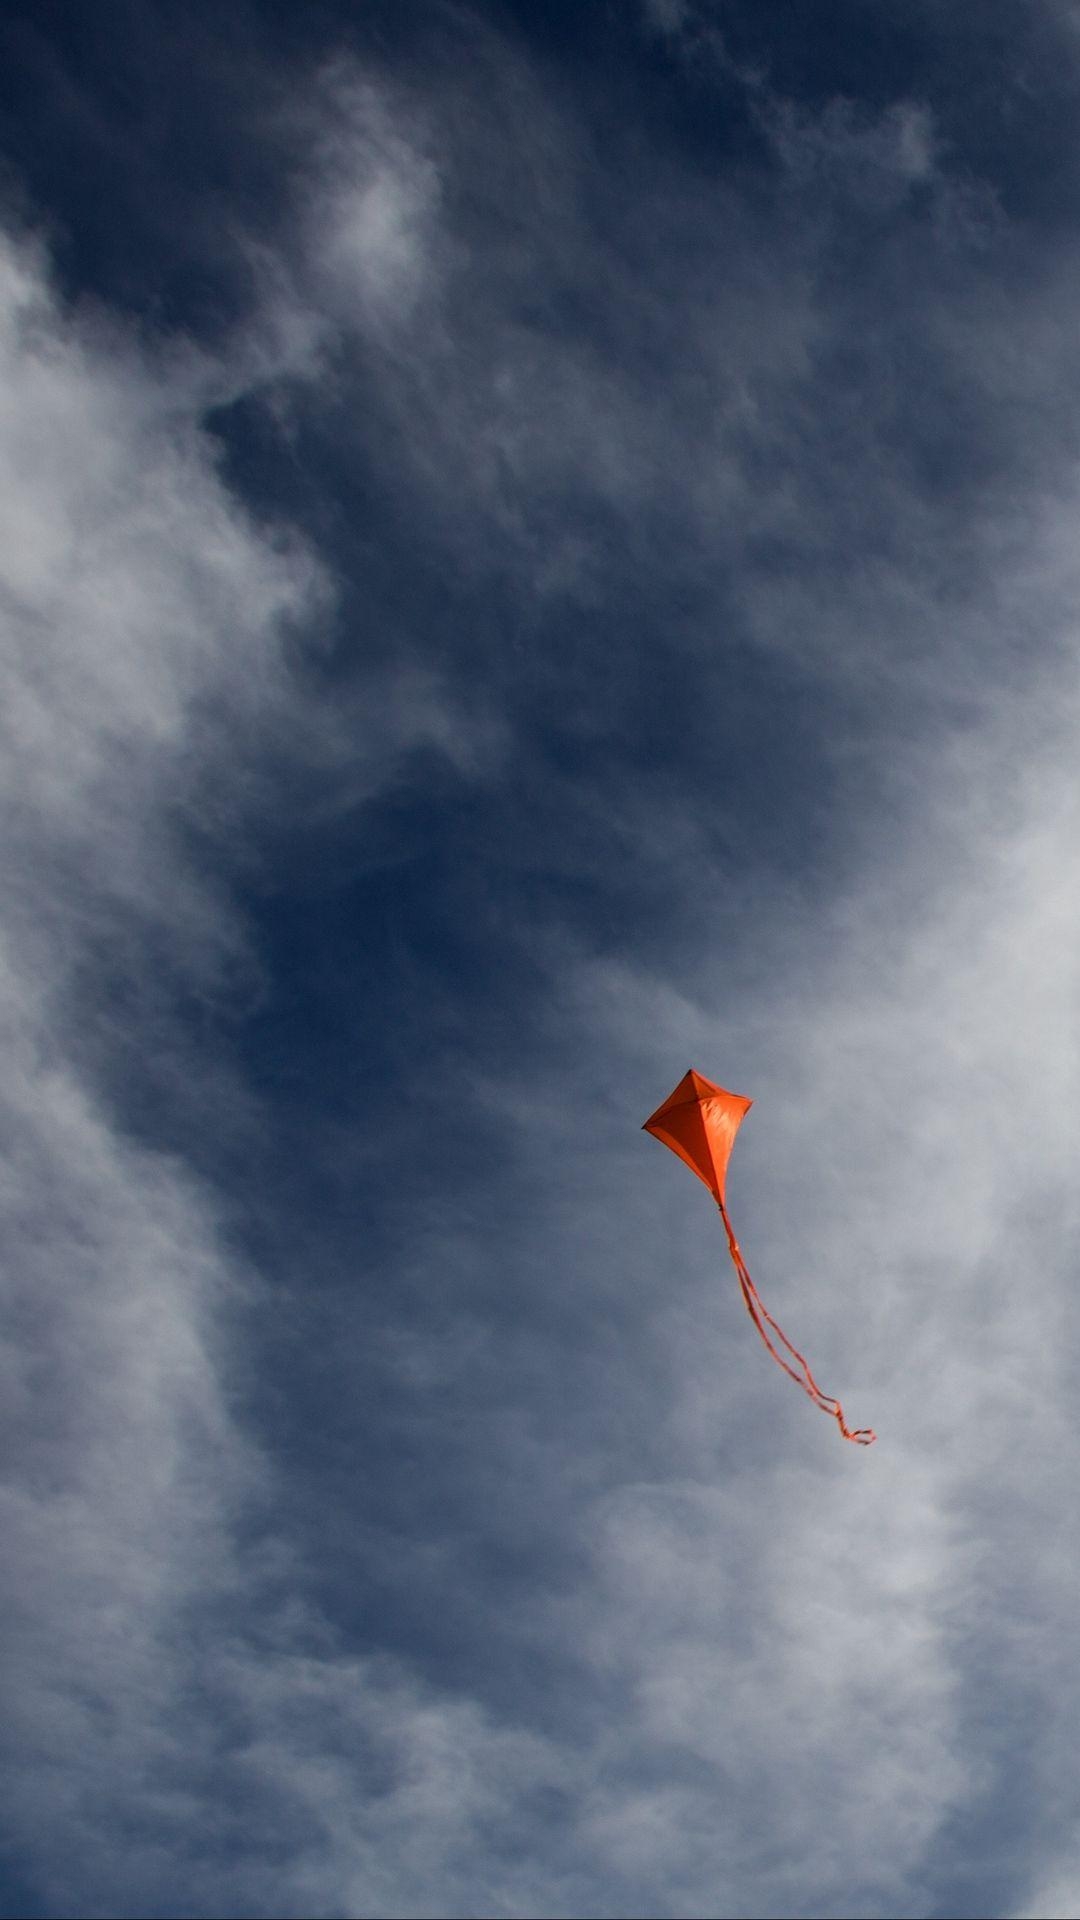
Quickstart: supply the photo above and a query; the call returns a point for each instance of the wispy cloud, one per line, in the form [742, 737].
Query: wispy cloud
[142, 612]
[685, 622]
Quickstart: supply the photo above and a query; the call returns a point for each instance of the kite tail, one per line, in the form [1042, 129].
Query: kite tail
[761, 1317]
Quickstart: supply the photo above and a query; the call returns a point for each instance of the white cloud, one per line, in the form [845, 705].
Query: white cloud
[667, 16]
[904, 1193]
[779, 1623]
[145, 681]
[371, 220]
[912, 1042]
[142, 616]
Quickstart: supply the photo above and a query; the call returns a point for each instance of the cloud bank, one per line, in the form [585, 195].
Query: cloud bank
[601, 604]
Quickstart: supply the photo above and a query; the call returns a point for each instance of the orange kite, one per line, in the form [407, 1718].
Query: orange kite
[699, 1122]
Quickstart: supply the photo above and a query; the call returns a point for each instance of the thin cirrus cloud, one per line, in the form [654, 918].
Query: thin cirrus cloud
[642, 632]
[146, 625]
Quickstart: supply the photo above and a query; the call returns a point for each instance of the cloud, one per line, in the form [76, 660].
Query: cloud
[914, 1090]
[839, 367]
[142, 610]
[373, 219]
[149, 623]
[538, 1589]
[908, 1031]
[667, 16]
[902, 1017]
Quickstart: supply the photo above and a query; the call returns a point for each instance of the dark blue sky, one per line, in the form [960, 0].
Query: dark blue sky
[540, 553]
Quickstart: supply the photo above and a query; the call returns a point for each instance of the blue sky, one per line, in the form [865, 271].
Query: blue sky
[540, 550]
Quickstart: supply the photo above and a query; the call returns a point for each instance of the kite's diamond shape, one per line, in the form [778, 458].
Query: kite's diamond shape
[699, 1121]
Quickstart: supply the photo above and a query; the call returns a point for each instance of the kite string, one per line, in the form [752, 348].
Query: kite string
[759, 1314]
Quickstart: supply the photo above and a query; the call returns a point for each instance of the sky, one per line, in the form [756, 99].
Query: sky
[539, 551]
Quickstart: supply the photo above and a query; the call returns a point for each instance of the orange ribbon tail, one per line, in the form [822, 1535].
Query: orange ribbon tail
[761, 1317]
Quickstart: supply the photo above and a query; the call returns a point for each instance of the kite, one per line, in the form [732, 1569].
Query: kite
[699, 1122]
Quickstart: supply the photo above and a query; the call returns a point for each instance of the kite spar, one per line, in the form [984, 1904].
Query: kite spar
[699, 1121]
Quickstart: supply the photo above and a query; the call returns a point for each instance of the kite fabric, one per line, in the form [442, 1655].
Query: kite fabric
[699, 1121]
